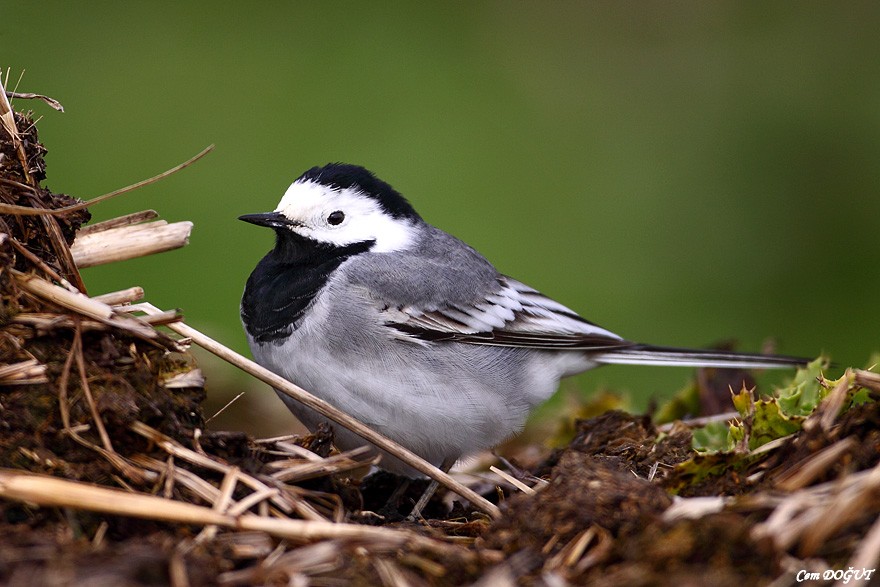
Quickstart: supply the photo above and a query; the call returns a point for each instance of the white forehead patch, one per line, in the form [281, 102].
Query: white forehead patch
[310, 204]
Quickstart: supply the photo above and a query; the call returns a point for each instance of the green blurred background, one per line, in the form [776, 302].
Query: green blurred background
[681, 173]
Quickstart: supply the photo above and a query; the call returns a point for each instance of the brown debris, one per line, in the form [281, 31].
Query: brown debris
[629, 442]
[587, 504]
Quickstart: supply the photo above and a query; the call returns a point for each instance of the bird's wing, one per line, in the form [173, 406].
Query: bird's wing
[445, 290]
[513, 315]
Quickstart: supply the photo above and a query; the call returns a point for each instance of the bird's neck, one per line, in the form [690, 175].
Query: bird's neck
[294, 251]
[286, 281]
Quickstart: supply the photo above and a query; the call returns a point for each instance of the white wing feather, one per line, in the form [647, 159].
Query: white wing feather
[514, 315]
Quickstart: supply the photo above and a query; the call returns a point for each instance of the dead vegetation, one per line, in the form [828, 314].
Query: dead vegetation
[108, 474]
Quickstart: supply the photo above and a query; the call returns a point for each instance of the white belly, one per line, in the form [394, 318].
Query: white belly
[440, 402]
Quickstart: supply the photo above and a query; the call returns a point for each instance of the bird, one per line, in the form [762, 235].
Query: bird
[412, 331]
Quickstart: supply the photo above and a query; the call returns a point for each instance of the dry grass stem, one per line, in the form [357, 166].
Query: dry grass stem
[54, 492]
[191, 378]
[802, 474]
[513, 481]
[81, 304]
[28, 211]
[288, 448]
[165, 318]
[868, 379]
[75, 301]
[116, 460]
[129, 242]
[196, 485]
[118, 298]
[572, 552]
[225, 406]
[845, 507]
[52, 102]
[867, 555]
[291, 471]
[297, 564]
[7, 122]
[697, 422]
[40, 264]
[810, 515]
[833, 403]
[179, 451]
[62, 251]
[87, 392]
[390, 574]
[126, 220]
[24, 373]
[44, 323]
[694, 507]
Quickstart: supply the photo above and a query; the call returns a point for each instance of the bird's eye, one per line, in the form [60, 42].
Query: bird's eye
[336, 217]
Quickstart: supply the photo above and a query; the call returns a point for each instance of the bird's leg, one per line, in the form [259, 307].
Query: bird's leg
[429, 491]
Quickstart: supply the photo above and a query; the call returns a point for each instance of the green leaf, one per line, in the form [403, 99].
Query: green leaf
[702, 466]
[742, 401]
[770, 423]
[737, 432]
[712, 438]
[805, 391]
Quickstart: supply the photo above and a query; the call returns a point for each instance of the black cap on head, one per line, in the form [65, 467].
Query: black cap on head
[343, 175]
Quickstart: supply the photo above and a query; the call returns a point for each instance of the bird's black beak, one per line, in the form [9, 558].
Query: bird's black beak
[270, 219]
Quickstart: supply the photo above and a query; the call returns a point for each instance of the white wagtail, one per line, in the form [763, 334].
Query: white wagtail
[411, 330]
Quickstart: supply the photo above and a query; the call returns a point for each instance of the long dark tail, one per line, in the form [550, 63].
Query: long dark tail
[646, 354]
